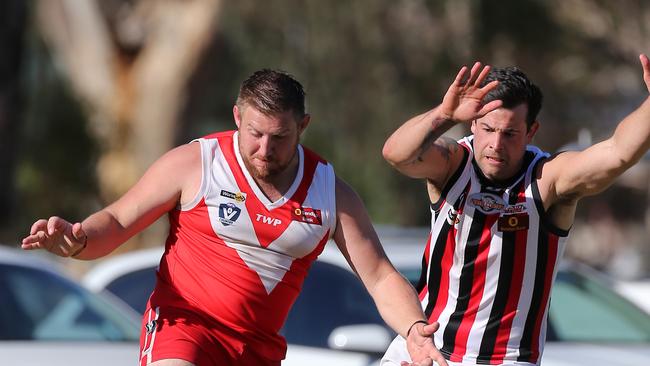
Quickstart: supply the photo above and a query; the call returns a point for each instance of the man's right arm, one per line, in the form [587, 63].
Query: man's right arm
[418, 149]
[173, 178]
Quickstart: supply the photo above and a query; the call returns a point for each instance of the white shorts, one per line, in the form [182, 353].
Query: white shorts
[397, 352]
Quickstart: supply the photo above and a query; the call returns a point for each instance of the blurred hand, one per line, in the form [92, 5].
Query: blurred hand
[57, 236]
[463, 101]
[419, 344]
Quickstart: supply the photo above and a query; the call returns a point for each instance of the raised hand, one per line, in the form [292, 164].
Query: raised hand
[419, 344]
[463, 101]
[645, 63]
[57, 236]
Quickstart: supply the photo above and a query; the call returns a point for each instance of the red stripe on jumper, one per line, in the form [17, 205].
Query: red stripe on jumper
[478, 287]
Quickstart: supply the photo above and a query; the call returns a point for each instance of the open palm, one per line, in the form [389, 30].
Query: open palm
[55, 235]
[463, 101]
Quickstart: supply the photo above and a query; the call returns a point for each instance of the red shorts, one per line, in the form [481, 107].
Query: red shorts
[169, 332]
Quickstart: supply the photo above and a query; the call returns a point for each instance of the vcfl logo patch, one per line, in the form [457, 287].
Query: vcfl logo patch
[228, 213]
[268, 220]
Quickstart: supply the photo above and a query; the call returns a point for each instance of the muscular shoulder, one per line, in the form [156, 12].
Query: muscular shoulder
[186, 154]
[354, 231]
[559, 208]
[163, 185]
[547, 175]
[348, 201]
[182, 165]
[344, 193]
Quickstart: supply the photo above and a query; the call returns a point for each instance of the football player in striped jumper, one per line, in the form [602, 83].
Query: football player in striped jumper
[501, 212]
[249, 211]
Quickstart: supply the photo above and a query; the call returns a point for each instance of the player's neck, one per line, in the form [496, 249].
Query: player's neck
[498, 183]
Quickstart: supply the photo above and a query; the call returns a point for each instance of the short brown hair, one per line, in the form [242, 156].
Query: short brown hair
[514, 89]
[272, 92]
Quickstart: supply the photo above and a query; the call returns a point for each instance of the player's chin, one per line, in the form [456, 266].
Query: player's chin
[265, 173]
[495, 175]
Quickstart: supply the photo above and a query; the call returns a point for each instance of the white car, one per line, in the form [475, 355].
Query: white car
[48, 319]
[334, 320]
[637, 291]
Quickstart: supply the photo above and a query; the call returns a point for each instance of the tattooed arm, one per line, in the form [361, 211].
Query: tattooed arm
[418, 149]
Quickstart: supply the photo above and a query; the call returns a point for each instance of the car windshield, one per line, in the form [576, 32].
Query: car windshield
[584, 310]
[39, 305]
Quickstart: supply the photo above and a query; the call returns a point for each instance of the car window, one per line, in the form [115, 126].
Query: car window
[583, 310]
[135, 296]
[39, 305]
[331, 297]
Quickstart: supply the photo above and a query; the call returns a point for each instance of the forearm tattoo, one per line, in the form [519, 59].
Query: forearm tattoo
[428, 142]
[445, 146]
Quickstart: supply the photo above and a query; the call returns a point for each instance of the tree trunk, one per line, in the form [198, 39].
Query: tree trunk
[129, 63]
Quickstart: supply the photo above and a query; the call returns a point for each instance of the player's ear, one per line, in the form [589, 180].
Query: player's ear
[303, 123]
[236, 113]
[532, 130]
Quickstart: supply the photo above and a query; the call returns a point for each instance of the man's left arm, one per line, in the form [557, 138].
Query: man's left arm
[577, 174]
[394, 296]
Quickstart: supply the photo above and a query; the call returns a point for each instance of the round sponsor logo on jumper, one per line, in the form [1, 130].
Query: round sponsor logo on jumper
[513, 221]
[487, 202]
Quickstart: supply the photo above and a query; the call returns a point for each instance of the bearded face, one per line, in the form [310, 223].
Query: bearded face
[267, 143]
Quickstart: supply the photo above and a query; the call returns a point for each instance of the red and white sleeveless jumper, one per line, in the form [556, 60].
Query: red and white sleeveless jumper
[237, 258]
[489, 265]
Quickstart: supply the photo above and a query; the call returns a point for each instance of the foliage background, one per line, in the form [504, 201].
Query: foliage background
[366, 65]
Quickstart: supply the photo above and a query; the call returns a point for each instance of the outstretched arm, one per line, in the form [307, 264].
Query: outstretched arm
[169, 180]
[417, 148]
[572, 175]
[395, 298]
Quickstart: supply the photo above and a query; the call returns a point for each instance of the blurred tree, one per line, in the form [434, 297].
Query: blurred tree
[366, 66]
[129, 63]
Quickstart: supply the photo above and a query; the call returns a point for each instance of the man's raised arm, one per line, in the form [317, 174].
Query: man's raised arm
[572, 175]
[417, 148]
